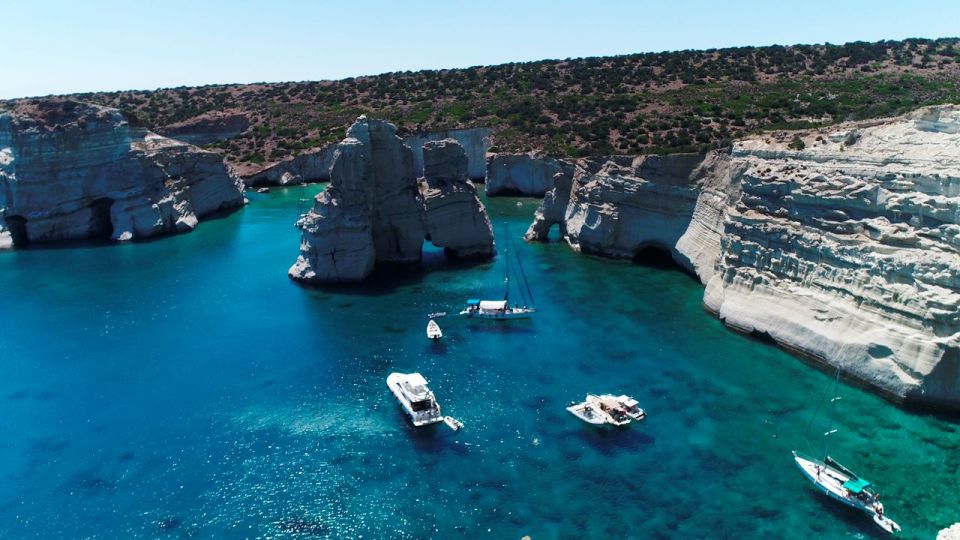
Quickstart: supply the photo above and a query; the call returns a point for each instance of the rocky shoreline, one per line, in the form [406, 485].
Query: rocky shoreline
[840, 245]
[74, 171]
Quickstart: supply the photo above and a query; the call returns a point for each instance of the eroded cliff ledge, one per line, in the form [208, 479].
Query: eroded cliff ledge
[376, 210]
[842, 245]
[70, 171]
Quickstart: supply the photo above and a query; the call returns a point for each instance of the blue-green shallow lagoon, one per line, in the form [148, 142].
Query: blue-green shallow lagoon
[185, 388]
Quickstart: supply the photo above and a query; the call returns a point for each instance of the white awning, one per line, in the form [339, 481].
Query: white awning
[493, 305]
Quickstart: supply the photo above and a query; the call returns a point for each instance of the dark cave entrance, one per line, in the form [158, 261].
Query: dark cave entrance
[101, 226]
[655, 256]
[17, 225]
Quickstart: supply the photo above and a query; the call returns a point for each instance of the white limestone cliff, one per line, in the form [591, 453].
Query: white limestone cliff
[841, 246]
[475, 142]
[374, 211]
[70, 171]
[523, 174]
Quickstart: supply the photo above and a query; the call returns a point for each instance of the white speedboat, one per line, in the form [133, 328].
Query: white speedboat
[587, 413]
[433, 330]
[631, 407]
[839, 482]
[417, 400]
[610, 408]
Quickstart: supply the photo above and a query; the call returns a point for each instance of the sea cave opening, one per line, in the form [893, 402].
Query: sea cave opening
[101, 225]
[655, 256]
[554, 233]
[17, 225]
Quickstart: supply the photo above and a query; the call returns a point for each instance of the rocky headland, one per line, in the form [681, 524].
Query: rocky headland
[377, 211]
[840, 245]
[71, 170]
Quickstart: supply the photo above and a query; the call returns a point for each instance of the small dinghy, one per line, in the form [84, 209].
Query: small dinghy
[453, 423]
[433, 330]
[263, 190]
[437, 315]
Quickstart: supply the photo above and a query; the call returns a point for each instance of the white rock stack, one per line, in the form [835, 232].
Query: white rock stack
[71, 170]
[376, 211]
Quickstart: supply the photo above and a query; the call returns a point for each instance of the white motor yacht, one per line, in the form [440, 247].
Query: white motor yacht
[417, 400]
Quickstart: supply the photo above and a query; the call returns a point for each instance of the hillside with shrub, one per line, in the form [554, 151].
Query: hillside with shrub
[639, 103]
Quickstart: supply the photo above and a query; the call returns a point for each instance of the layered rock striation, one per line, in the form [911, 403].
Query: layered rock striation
[840, 245]
[456, 219]
[376, 211]
[70, 170]
[310, 166]
[526, 175]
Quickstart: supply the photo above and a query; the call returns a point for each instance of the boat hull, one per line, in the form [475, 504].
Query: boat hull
[518, 313]
[830, 481]
[579, 410]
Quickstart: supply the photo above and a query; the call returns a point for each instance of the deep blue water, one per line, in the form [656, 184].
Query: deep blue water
[185, 388]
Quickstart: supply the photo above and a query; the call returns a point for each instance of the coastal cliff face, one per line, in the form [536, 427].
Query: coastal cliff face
[374, 210]
[841, 246]
[70, 170]
[475, 142]
[524, 174]
[310, 166]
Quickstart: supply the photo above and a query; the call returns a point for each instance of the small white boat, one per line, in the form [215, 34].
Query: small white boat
[417, 400]
[610, 409]
[587, 413]
[453, 423]
[263, 190]
[437, 315]
[433, 330]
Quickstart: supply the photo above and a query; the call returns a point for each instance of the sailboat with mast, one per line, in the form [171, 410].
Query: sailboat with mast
[839, 482]
[501, 310]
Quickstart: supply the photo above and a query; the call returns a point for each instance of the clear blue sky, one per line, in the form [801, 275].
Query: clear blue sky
[61, 46]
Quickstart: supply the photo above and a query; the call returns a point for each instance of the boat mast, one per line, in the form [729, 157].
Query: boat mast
[506, 255]
[833, 407]
[526, 284]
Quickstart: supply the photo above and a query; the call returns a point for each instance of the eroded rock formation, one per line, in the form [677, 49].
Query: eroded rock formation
[310, 166]
[524, 174]
[70, 170]
[456, 219]
[475, 142]
[840, 245]
[374, 211]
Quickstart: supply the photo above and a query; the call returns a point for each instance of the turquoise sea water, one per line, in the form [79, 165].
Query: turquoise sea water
[185, 388]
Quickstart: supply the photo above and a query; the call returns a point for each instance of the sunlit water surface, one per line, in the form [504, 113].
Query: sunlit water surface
[185, 388]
